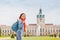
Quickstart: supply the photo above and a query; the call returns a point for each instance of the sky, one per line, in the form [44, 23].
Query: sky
[11, 9]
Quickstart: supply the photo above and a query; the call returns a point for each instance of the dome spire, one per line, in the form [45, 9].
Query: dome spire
[40, 11]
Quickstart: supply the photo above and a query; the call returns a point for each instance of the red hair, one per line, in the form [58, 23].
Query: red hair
[24, 22]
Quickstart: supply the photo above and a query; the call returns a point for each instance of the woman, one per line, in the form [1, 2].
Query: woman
[21, 26]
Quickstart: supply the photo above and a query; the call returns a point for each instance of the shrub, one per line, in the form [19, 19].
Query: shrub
[59, 35]
[28, 35]
[51, 35]
[25, 35]
[12, 36]
[54, 35]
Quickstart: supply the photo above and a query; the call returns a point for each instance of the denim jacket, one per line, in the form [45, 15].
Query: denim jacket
[20, 25]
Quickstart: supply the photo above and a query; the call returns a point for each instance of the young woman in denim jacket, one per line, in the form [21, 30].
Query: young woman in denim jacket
[21, 26]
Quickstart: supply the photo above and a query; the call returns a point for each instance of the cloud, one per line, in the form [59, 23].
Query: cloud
[53, 16]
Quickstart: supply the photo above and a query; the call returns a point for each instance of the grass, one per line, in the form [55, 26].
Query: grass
[39, 38]
[34, 38]
[4, 36]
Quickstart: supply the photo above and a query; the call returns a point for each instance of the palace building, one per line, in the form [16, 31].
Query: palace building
[41, 28]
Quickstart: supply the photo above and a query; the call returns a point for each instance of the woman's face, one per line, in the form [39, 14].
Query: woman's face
[23, 17]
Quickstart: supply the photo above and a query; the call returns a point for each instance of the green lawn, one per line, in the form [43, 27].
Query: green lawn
[39, 38]
[35, 38]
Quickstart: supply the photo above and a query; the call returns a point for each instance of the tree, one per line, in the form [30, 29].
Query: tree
[0, 31]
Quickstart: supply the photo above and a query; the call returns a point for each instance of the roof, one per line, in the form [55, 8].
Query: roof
[48, 24]
[32, 24]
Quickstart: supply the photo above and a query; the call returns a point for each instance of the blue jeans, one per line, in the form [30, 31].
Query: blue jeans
[19, 35]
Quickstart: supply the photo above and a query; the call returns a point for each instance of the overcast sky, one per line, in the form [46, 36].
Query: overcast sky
[10, 10]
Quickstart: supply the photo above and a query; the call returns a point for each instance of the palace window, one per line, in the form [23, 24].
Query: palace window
[3, 30]
[56, 30]
[43, 29]
[32, 30]
[8, 31]
[40, 29]
[53, 30]
[48, 31]
[59, 30]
